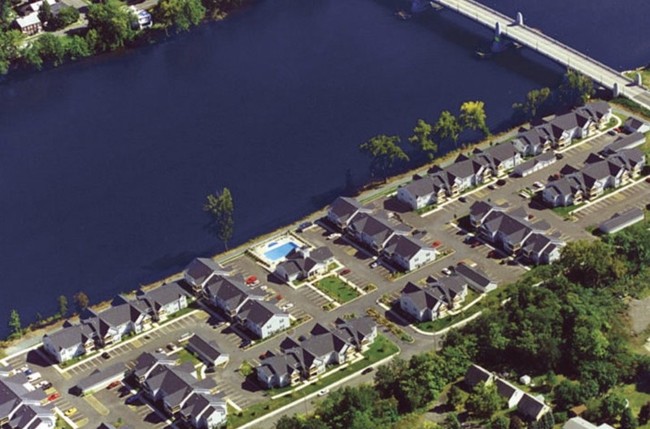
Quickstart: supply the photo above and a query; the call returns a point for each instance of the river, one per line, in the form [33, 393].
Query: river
[105, 164]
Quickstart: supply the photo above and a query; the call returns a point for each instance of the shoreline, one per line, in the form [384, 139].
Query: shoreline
[365, 193]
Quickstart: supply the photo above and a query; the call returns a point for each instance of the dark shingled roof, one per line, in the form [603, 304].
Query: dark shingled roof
[209, 349]
[259, 312]
[476, 374]
[530, 407]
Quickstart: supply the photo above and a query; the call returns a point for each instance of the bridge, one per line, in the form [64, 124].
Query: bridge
[516, 30]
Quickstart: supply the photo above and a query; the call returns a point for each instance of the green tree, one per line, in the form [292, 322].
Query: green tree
[456, 398]
[611, 407]
[9, 48]
[385, 150]
[472, 116]
[63, 305]
[6, 15]
[644, 414]
[422, 138]
[628, 420]
[51, 49]
[484, 401]
[447, 126]
[576, 89]
[516, 423]
[15, 327]
[113, 24]
[179, 14]
[81, 301]
[67, 16]
[536, 102]
[45, 12]
[499, 422]
[220, 208]
[77, 47]
[451, 421]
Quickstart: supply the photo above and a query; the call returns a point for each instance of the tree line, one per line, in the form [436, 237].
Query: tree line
[111, 26]
[385, 150]
[16, 329]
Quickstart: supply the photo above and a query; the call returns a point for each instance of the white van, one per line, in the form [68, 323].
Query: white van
[33, 376]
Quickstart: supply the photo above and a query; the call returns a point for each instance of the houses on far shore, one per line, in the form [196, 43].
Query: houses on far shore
[377, 231]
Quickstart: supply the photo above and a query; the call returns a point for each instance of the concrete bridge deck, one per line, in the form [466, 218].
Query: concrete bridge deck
[546, 45]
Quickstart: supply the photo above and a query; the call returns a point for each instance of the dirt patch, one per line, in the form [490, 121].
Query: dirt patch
[639, 312]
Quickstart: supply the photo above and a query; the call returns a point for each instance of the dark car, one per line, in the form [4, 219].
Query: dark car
[501, 182]
[367, 370]
[106, 355]
[345, 271]
[462, 199]
[559, 156]
[303, 226]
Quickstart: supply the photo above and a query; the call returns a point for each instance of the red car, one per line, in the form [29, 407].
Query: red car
[436, 244]
[53, 397]
[112, 385]
[345, 271]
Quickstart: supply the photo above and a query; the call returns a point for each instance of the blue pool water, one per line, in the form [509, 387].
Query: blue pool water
[280, 251]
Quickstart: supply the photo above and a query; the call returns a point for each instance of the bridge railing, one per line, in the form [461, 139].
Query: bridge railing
[538, 33]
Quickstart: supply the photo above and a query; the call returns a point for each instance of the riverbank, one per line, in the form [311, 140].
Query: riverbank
[93, 34]
[367, 193]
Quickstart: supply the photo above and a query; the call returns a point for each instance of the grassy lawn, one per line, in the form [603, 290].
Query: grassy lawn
[637, 399]
[185, 356]
[565, 211]
[61, 424]
[380, 349]
[246, 369]
[645, 76]
[337, 289]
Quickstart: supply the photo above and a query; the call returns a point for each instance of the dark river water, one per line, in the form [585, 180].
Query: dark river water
[105, 164]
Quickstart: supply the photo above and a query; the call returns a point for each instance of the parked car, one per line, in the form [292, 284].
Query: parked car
[323, 392]
[611, 132]
[171, 347]
[133, 399]
[70, 411]
[288, 306]
[106, 355]
[501, 182]
[46, 386]
[446, 271]
[559, 156]
[33, 376]
[538, 185]
[491, 186]
[113, 385]
[436, 244]
[334, 236]
[53, 397]
[367, 370]
[374, 264]
[303, 226]
[462, 199]
[345, 271]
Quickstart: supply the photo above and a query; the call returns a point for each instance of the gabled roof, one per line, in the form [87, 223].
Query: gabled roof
[421, 298]
[164, 295]
[378, 228]
[619, 220]
[505, 389]
[405, 246]
[625, 142]
[70, 336]
[259, 312]
[480, 209]
[202, 268]
[422, 187]
[231, 291]
[501, 152]
[344, 208]
[303, 260]
[530, 407]
[473, 275]
[209, 349]
[477, 374]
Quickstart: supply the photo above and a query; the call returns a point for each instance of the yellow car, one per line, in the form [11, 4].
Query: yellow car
[70, 411]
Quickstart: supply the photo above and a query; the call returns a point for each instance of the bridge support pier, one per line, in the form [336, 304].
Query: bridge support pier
[520, 19]
[615, 90]
[639, 79]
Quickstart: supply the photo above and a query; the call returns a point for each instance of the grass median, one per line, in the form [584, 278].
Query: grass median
[336, 289]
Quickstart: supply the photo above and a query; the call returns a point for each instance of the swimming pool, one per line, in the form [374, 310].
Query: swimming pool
[278, 252]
